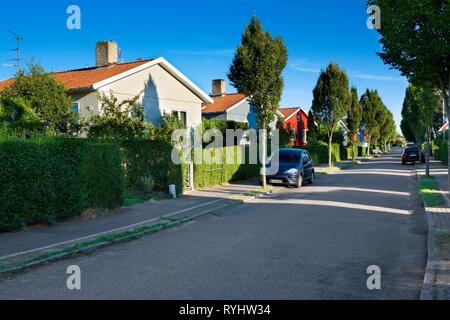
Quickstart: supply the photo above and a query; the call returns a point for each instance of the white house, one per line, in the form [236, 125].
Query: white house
[229, 106]
[160, 86]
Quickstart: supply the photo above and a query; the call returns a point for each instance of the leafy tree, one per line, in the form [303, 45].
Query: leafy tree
[408, 134]
[46, 96]
[19, 116]
[372, 110]
[118, 119]
[167, 125]
[331, 101]
[354, 117]
[420, 106]
[388, 129]
[415, 35]
[286, 134]
[256, 70]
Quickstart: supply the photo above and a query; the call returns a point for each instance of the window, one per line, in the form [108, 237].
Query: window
[294, 134]
[305, 158]
[76, 107]
[182, 116]
[305, 136]
[287, 156]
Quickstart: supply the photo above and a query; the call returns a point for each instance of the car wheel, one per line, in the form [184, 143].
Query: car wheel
[299, 182]
[311, 180]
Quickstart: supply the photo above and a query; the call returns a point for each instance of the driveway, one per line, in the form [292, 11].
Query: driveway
[316, 243]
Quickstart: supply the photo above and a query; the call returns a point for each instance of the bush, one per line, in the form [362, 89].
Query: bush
[44, 180]
[213, 174]
[145, 157]
[443, 152]
[148, 184]
[318, 151]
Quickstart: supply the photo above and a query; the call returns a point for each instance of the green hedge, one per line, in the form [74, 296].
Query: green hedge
[441, 152]
[213, 174]
[319, 152]
[145, 157]
[44, 180]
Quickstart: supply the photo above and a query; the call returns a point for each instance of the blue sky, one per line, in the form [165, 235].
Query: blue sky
[199, 38]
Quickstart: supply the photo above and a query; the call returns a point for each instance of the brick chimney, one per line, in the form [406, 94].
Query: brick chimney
[106, 53]
[219, 88]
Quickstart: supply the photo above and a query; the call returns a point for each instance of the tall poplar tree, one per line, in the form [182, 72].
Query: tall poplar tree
[331, 101]
[256, 70]
[354, 117]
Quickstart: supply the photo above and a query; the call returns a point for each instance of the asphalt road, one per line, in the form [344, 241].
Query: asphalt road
[316, 243]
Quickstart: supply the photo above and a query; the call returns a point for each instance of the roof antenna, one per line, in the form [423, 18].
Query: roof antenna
[18, 38]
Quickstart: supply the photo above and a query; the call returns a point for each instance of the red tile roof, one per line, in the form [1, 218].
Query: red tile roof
[222, 104]
[287, 112]
[83, 78]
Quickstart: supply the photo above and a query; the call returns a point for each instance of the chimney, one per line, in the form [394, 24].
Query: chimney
[219, 88]
[106, 53]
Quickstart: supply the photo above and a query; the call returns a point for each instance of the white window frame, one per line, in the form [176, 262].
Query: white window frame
[178, 112]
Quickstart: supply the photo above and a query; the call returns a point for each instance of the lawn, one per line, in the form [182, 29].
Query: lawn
[429, 190]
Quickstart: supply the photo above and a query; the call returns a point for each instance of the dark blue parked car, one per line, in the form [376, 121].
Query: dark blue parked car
[290, 167]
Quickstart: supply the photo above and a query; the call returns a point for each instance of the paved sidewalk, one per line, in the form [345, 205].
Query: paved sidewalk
[437, 278]
[34, 240]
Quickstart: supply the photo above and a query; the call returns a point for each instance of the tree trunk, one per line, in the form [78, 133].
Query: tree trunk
[264, 157]
[330, 149]
[353, 149]
[368, 146]
[428, 153]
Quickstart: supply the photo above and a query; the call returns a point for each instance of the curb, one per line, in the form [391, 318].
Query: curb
[427, 292]
[159, 227]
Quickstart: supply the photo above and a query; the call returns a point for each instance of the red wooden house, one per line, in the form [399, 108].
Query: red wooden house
[296, 119]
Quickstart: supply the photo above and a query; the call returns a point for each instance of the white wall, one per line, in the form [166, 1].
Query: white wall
[159, 92]
[88, 103]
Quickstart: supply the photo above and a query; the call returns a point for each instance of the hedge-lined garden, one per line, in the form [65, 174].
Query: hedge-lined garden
[213, 174]
[45, 180]
[440, 151]
[144, 158]
[319, 152]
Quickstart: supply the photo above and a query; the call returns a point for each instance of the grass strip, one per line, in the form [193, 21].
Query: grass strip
[89, 246]
[430, 192]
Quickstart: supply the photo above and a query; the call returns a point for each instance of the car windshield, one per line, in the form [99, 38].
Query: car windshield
[289, 157]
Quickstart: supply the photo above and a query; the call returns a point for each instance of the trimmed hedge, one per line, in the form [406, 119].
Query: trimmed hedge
[319, 152]
[207, 175]
[440, 152]
[145, 157]
[44, 180]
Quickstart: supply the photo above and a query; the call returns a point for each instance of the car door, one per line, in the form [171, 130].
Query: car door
[307, 165]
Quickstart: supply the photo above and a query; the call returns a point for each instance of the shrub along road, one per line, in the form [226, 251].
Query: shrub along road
[316, 243]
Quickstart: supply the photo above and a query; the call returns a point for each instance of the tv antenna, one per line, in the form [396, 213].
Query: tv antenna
[18, 38]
